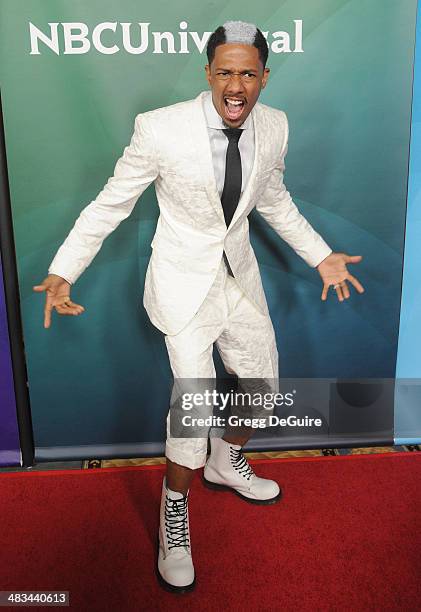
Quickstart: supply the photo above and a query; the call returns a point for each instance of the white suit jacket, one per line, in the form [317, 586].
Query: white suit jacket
[171, 146]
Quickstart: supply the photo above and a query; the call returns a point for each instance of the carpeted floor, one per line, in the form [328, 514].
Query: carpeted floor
[346, 536]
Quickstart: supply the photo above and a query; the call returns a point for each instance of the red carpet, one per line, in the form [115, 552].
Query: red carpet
[346, 536]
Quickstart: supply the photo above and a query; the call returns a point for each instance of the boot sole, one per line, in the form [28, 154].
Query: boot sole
[174, 589]
[260, 502]
[171, 588]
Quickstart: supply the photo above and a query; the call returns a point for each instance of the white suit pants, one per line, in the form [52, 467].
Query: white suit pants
[246, 343]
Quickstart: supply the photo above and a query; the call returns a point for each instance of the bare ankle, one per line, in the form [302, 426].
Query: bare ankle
[179, 477]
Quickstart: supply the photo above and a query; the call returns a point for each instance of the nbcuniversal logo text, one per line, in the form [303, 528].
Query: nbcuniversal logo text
[109, 37]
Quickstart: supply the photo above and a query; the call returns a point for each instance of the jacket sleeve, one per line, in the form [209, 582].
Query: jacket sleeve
[136, 169]
[278, 209]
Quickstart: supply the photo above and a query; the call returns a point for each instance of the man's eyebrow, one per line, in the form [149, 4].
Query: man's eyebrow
[241, 71]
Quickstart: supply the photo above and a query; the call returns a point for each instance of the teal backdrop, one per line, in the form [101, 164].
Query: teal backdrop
[99, 383]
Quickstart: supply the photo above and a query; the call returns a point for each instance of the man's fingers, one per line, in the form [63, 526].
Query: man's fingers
[39, 287]
[353, 258]
[78, 307]
[67, 309]
[345, 290]
[64, 307]
[47, 314]
[358, 286]
[342, 289]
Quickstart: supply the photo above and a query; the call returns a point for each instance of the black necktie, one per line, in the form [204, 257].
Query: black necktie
[232, 183]
[233, 178]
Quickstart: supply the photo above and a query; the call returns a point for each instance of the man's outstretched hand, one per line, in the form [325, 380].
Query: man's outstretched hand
[334, 273]
[57, 296]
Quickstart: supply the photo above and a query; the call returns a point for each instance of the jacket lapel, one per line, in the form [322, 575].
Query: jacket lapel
[203, 154]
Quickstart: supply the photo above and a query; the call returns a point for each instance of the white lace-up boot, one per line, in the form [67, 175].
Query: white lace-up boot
[228, 469]
[175, 564]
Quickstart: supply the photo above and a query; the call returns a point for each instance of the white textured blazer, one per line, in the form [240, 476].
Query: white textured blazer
[171, 146]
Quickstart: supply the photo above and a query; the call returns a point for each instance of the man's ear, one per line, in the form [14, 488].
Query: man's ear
[265, 77]
[208, 73]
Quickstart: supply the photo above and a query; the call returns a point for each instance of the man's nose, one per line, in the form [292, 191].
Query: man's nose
[235, 84]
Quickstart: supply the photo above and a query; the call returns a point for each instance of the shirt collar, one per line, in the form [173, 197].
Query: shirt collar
[214, 119]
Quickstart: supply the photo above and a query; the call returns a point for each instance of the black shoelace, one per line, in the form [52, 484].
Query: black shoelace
[239, 463]
[176, 522]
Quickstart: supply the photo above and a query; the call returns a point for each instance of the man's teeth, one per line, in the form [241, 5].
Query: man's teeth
[234, 102]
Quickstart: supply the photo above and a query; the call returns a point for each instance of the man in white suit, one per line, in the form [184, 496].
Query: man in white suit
[212, 159]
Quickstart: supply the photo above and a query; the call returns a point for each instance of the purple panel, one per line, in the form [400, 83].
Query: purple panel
[9, 433]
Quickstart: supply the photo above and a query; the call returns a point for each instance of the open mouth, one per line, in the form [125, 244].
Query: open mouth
[234, 108]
